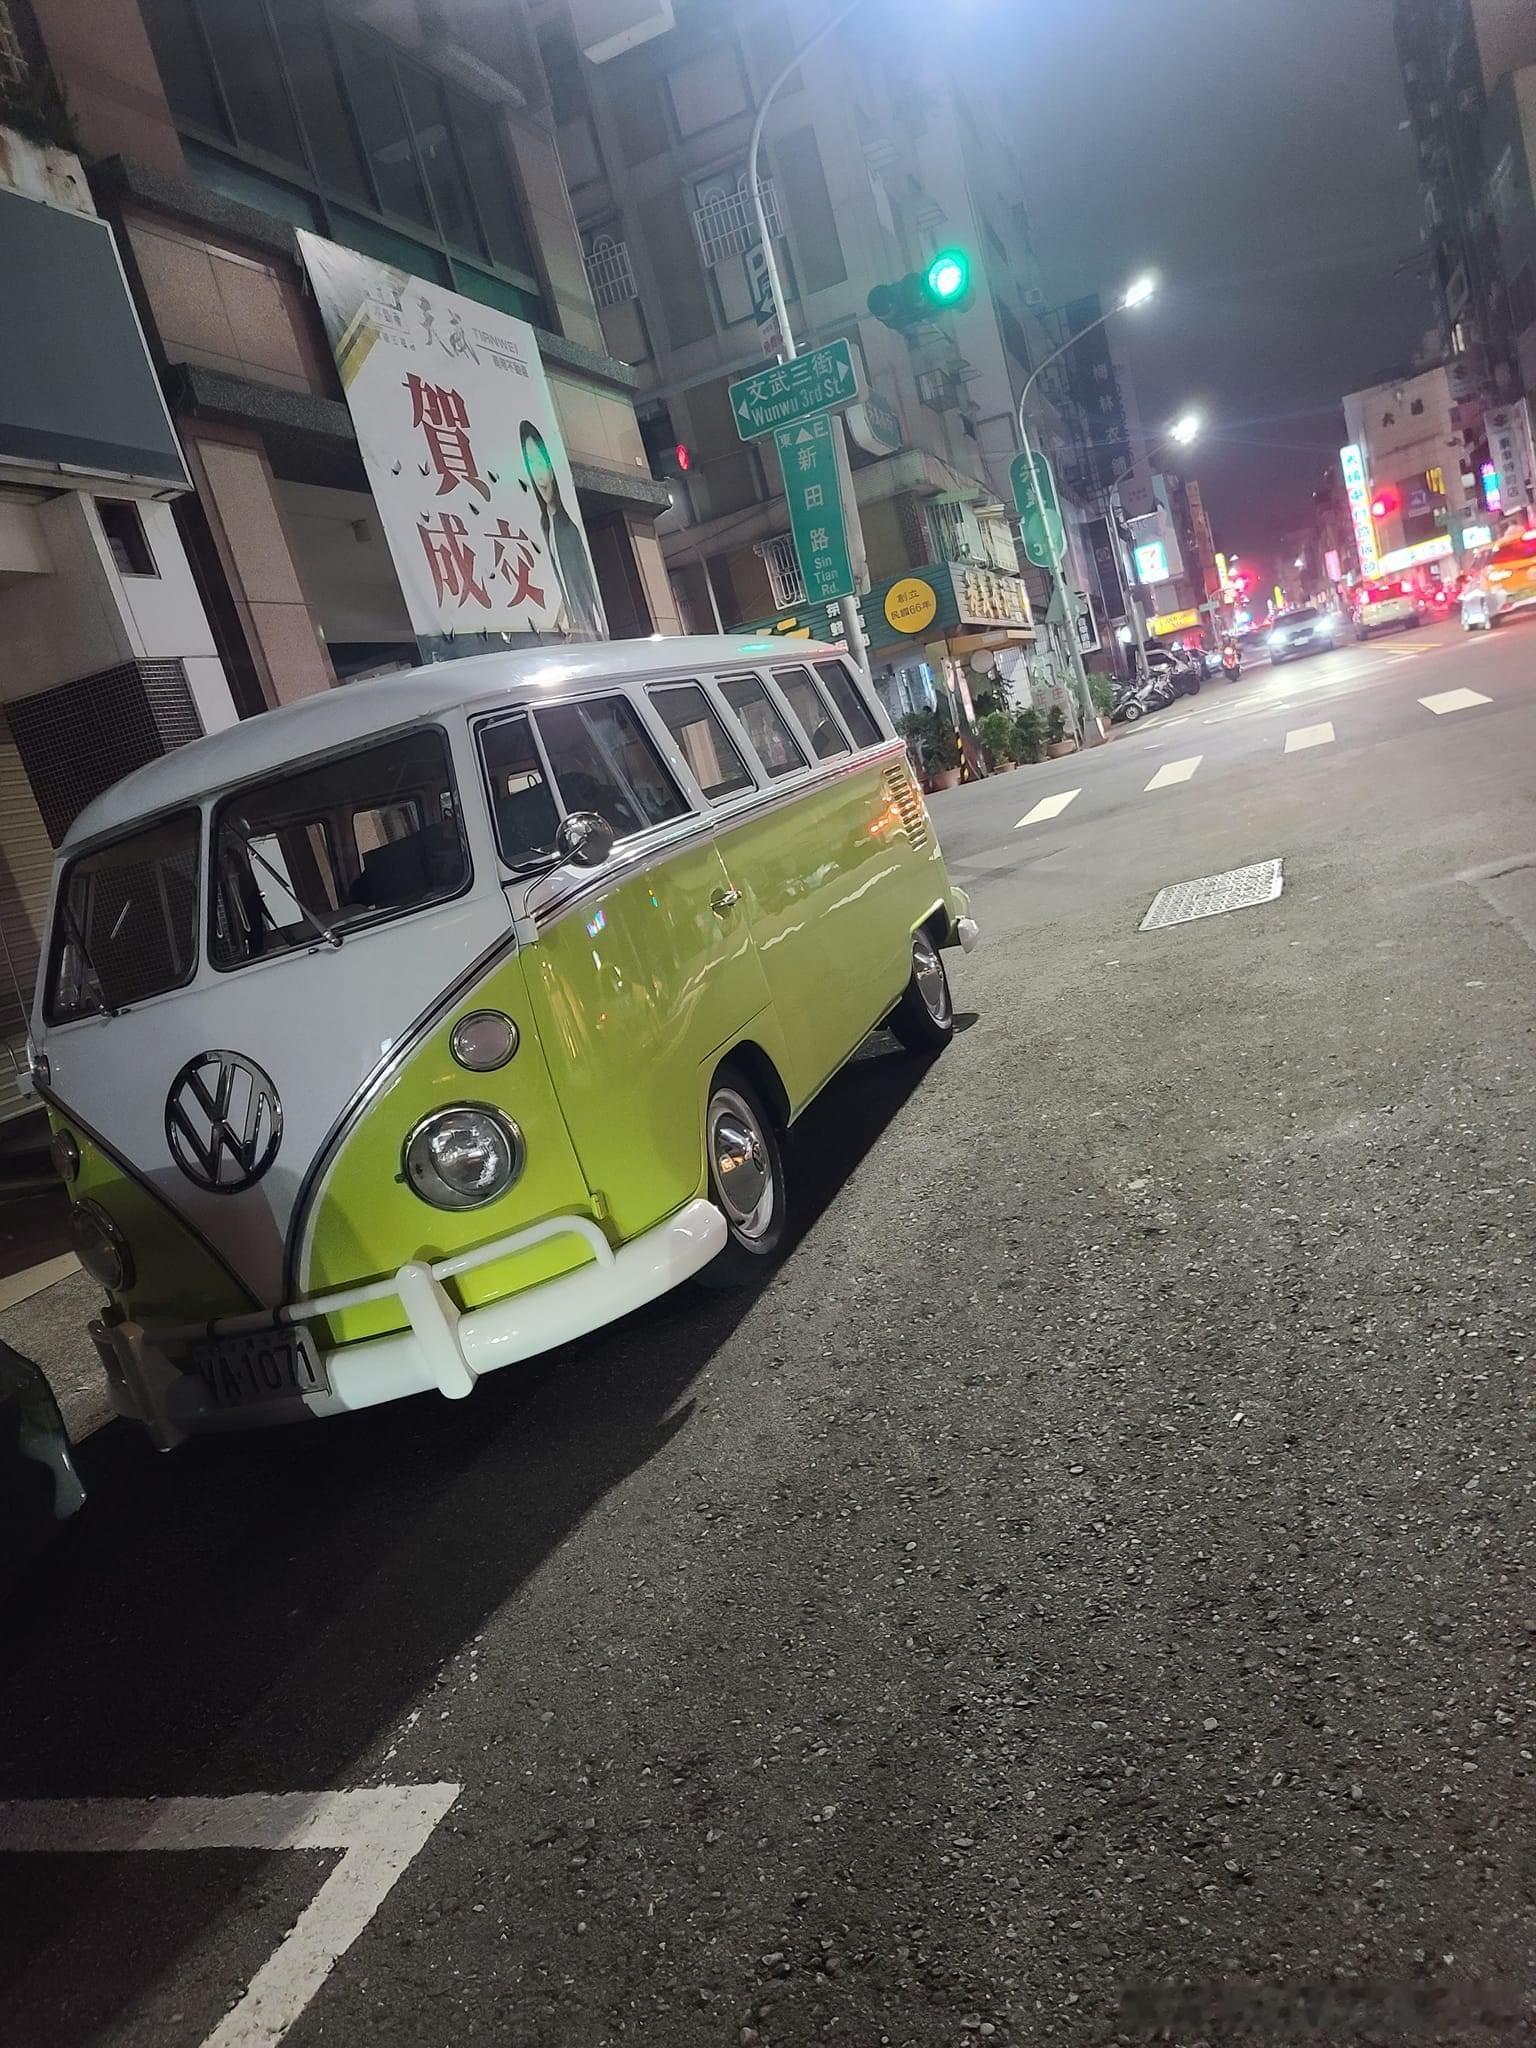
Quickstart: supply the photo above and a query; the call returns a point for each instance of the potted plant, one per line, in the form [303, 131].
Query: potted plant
[931, 736]
[1056, 740]
[1028, 741]
[995, 731]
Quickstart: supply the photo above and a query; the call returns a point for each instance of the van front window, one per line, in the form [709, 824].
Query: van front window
[126, 924]
[304, 857]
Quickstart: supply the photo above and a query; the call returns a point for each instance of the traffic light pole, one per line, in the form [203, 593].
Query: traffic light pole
[853, 629]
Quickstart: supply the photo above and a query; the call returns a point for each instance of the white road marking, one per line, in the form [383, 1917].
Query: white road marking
[1301, 736]
[1175, 771]
[1049, 807]
[379, 1831]
[1454, 700]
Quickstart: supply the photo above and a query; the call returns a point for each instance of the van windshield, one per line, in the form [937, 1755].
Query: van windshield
[126, 924]
[310, 854]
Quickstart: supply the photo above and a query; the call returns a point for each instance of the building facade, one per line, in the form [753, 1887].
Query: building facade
[881, 150]
[1423, 501]
[416, 142]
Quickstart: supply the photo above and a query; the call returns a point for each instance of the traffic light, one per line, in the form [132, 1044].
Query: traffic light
[944, 287]
[667, 456]
[1385, 503]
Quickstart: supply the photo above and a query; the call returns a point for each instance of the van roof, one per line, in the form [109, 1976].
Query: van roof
[354, 711]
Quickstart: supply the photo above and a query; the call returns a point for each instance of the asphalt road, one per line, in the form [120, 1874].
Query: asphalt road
[1085, 1597]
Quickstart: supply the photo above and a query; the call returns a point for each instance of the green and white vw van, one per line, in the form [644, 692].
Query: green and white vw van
[415, 1028]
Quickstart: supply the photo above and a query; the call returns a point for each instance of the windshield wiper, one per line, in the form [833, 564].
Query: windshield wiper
[317, 925]
[77, 940]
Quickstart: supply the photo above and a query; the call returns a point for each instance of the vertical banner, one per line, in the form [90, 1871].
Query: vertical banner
[462, 448]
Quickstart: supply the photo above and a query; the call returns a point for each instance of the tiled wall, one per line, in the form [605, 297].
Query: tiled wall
[79, 739]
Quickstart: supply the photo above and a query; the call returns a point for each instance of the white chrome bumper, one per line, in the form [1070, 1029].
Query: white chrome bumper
[445, 1347]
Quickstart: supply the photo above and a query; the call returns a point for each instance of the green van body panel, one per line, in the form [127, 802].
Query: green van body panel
[366, 1221]
[176, 1278]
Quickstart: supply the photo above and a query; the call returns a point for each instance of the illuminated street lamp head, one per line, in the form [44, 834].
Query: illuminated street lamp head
[1139, 291]
[948, 276]
[1185, 428]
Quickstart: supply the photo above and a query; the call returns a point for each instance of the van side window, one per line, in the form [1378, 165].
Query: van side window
[355, 839]
[603, 760]
[702, 740]
[775, 745]
[522, 802]
[812, 710]
[849, 699]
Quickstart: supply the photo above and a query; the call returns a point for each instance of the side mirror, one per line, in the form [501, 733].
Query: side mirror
[585, 839]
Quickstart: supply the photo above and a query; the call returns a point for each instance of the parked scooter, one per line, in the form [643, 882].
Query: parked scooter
[1136, 701]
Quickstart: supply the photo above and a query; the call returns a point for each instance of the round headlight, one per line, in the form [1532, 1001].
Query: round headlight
[483, 1041]
[462, 1157]
[100, 1246]
[65, 1154]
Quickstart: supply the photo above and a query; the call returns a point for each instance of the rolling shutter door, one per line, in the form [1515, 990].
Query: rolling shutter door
[26, 862]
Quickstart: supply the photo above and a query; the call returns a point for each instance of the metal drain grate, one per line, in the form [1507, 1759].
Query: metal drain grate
[1210, 895]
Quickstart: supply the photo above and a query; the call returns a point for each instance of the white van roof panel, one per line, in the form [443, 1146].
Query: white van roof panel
[356, 711]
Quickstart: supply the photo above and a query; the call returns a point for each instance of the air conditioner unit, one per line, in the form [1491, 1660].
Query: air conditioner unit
[1034, 297]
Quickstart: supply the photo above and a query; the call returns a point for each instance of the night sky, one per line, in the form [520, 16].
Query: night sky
[1251, 152]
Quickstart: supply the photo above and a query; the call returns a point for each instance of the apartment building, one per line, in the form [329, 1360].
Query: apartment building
[883, 148]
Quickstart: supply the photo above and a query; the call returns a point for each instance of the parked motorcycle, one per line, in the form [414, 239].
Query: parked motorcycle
[1137, 701]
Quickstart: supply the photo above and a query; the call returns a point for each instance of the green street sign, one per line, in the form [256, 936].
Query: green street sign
[1039, 510]
[820, 382]
[808, 458]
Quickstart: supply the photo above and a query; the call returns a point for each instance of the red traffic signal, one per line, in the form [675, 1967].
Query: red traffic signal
[682, 458]
[1385, 503]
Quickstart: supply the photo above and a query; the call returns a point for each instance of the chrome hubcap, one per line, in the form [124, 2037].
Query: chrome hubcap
[738, 1159]
[928, 970]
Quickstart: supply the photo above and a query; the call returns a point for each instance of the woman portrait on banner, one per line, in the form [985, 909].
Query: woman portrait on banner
[565, 544]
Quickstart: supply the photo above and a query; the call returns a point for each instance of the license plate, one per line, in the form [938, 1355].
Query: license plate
[260, 1366]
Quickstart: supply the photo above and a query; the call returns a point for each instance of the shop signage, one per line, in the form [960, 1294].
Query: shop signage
[813, 491]
[821, 381]
[1174, 622]
[462, 451]
[1152, 562]
[1476, 536]
[873, 425]
[911, 605]
[1421, 551]
[944, 598]
[1357, 490]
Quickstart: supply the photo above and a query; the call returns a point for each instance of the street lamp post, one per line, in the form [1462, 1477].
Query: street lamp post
[853, 629]
[1136, 294]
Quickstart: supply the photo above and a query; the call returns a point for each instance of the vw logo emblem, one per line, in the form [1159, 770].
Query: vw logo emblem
[223, 1122]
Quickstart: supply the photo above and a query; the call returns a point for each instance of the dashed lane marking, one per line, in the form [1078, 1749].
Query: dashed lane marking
[1301, 736]
[378, 1830]
[1175, 771]
[1048, 807]
[1454, 700]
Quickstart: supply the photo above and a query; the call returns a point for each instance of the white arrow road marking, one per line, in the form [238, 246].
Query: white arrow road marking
[1175, 771]
[378, 1831]
[1049, 807]
[1301, 736]
[1454, 700]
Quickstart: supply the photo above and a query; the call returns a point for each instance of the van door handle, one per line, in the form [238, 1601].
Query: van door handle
[724, 900]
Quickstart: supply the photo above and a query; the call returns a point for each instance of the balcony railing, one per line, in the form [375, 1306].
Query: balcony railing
[726, 226]
[609, 273]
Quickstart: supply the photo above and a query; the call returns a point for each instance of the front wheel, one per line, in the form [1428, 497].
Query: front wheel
[924, 1019]
[1132, 712]
[746, 1182]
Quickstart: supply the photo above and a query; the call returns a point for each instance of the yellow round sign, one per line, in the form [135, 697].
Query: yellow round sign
[910, 605]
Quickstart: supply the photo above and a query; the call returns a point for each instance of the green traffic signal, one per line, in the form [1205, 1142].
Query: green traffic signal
[922, 294]
[948, 276]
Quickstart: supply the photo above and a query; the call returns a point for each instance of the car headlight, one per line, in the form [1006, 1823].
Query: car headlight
[1276, 640]
[462, 1157]
[100, 1246]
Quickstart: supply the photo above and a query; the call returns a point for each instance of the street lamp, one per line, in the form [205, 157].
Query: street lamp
[1185, 428]
[1135, 294]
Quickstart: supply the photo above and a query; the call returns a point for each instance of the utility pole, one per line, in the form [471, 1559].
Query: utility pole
[853, 629]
